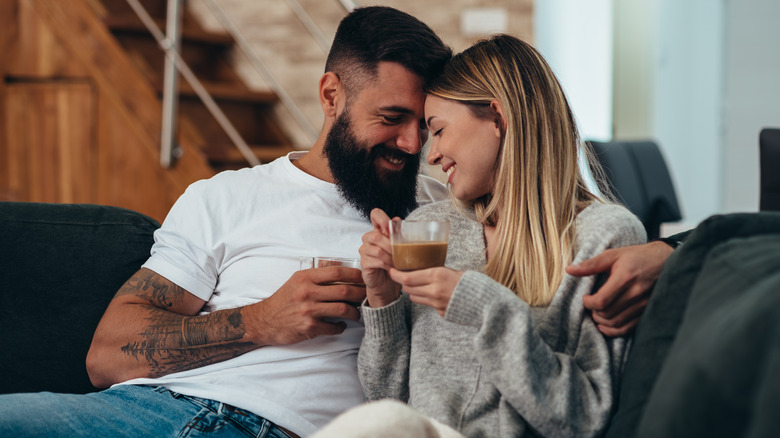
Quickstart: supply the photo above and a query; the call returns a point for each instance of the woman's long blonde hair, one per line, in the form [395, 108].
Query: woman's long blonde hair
[538, 188]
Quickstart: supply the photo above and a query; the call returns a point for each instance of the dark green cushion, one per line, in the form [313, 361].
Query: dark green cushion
[658, 327]
[726, 351]
[60, 265]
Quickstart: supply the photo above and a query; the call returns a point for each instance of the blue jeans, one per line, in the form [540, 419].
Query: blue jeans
[127, 410]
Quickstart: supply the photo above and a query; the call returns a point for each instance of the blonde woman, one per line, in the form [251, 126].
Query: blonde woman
[498, 343]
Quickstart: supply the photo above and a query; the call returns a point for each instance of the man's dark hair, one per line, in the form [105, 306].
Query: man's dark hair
[373, 34]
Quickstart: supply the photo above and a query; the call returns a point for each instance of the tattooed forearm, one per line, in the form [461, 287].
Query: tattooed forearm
[173, 343]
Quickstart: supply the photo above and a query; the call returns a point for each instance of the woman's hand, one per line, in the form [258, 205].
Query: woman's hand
[376, 258]
[432, 287]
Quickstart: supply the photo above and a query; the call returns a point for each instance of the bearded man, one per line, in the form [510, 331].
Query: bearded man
[219, 331]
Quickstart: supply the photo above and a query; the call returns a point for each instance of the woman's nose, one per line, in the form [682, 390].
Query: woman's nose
[434, 157]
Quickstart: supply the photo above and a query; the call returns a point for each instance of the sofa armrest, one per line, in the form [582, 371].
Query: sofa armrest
[665, 314]
[60, 265]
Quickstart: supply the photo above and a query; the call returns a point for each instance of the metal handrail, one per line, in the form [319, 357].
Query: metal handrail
[171, 46]
[349, 5]
[170, 102]
[308, 23]
[264, 71]
[204, 95]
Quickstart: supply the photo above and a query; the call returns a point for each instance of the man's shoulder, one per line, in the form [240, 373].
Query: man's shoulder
[430, 190]
[230, 179]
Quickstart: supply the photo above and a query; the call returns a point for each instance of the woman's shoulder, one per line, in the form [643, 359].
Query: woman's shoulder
[601, 212]
[609, 219]
[437, 210]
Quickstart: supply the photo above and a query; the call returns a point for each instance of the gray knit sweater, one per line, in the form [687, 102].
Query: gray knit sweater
[494, 366]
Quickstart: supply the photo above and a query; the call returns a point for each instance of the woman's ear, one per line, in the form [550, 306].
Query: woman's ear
[331, 94]
[495, 105]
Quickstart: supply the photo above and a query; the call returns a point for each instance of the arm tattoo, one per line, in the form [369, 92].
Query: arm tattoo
[171, 342]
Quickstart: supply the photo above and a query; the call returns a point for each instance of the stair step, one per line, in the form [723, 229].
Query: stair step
[133, 24]
[231, 92]
[229, 154]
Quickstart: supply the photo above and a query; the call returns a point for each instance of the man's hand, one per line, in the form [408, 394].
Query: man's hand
[621, 300]
[152, 327]
[306, 306]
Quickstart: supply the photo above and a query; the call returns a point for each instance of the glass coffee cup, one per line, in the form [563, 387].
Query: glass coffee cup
[322, 262]
[419, 244]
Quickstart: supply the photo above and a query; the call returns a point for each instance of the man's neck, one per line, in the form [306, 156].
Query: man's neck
[315, 164]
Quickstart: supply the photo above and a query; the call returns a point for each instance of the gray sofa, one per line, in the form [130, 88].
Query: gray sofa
[704, 361]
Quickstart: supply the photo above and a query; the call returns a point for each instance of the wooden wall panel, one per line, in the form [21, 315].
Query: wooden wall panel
[39, 54]
[128, 175]
[51, 147]
[77, 122]
[9, 27]
[128, 118]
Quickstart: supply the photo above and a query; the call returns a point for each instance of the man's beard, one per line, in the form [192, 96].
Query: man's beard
[365, 187]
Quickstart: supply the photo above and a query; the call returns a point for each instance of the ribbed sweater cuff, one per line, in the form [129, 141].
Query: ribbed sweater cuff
[386, 321]
[469, 299]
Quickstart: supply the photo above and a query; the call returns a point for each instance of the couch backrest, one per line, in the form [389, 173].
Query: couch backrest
[60, 265]
[653, 356]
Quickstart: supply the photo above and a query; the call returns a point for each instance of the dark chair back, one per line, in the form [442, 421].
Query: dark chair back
[637, 174]
[769, 158]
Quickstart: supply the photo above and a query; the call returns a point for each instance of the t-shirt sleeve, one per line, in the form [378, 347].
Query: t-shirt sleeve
[183, 251]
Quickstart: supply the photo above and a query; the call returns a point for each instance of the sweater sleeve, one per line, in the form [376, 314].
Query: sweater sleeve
[558, 372]
[383, 358]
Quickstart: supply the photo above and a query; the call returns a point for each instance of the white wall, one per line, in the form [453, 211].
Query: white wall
[752, 95]
[575, 37]
[701, 77]
[686, 116]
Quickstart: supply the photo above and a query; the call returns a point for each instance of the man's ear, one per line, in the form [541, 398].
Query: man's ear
[496, 106]
[331, 94]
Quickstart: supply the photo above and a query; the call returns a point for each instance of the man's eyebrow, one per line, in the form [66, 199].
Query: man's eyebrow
[397, 109]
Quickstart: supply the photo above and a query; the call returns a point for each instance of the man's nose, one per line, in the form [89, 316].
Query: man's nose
[409, 139]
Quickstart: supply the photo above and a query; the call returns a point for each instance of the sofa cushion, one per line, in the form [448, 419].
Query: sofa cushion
[726, 348]
[659, 325]
[60, 265]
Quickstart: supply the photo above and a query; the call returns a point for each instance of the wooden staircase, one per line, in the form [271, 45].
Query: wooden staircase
[207, 54]
[80, 107]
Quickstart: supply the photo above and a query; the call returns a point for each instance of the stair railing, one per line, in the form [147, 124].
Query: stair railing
[171, 43]
[169, 47]
[227, 23]
[170, 104]
[308, 23]
[262, 69]
[349, 5]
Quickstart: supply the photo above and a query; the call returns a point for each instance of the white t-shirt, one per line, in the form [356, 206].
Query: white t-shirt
[233, 240]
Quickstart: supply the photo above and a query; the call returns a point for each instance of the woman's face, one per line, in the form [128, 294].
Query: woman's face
[465, 146]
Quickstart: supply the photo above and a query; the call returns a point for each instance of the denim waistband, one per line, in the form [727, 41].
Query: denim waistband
[250, 421]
